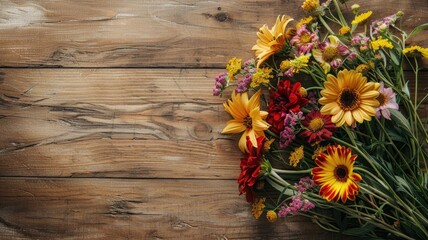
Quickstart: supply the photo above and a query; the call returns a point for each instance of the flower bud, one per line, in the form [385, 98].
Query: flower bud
[271, 216]
[399, 14]
[303, 92]
[355, 8]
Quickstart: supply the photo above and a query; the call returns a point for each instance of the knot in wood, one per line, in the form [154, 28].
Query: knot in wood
[221, 17]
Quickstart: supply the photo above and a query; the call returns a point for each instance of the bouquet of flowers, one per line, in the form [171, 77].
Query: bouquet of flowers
[330, 129]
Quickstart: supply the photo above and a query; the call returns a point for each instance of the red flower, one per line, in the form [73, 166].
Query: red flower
[286, 99]
[318, 127]
[250, 168]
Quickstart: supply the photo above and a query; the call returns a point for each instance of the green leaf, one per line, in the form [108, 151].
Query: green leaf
[403, 186]
[360, 231]
[406, 89]
[418, 29]
[395, 59]
[400, 119]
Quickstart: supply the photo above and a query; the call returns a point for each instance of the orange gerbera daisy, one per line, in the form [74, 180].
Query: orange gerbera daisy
[334, 173]
[272, 40]
[247, 118]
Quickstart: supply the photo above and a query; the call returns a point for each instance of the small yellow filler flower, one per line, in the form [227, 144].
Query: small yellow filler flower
[381, 43]
[247, 118]
[257, 207]
[349, 98]
[296, 156]
[261, 76]
[233, 66]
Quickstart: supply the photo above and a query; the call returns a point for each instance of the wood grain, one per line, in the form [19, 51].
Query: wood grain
[138, 123]
[150, 123]
[147, 33]
[135, 209]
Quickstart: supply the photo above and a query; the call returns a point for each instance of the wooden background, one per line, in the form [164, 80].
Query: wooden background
[108, 129]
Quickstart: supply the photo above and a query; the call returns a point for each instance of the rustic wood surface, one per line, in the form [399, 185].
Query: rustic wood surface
[123, 142]
[151, 33]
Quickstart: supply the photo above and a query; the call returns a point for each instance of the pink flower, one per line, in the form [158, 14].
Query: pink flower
[331, 53]
[386, 101]
[304, 40]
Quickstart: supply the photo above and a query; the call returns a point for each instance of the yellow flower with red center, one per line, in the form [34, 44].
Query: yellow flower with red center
[247, 118]
[335, 174]
[349, 98]
[320, 149]
[271, 40]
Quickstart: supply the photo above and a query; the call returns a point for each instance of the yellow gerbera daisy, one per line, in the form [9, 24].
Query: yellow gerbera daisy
[335, 174]
[416, 51]
[272, 40]
[247, 118]
[349, 98]
[361, 18]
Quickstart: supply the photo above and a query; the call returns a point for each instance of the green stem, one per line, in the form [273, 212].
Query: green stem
[325, 25]
[291, 171]
[339, 13]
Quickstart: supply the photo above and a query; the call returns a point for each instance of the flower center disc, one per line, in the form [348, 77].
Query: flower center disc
[248, 122]
[305, 38]
[316, 124]
[381, 99]
[349, 99]
[341, 173]
[330, 53]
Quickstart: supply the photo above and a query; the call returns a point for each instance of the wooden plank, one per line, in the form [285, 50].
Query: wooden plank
[146, 33]
[136, 209]
[115, 123]
[139, 123]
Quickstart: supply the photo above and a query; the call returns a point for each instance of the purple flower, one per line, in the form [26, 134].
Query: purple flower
[244, 83]
[287, 135]
[383, 24]
[304, 184]
[220, 83]
[297, 204]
